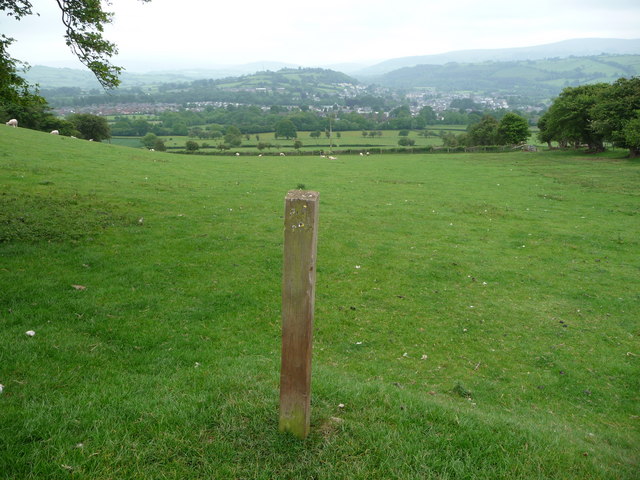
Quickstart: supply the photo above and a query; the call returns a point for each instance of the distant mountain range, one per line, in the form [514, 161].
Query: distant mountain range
[49, 77]
[576, 47]
[531, 75]
[533, 79]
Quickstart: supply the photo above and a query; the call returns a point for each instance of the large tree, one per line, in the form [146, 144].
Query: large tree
[617, 113]
[485, 132]
[592, 114]
[84, 21]
[285, 128]
[512, 130]
[570, 117]
[90, 127]
[17, 98]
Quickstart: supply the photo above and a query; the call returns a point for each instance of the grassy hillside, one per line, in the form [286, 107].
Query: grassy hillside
[476, 316]
[533, 78]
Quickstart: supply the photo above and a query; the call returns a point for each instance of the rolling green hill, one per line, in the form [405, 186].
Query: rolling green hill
[532, 78]
[476, 315]
[288, 86]
[576, 47]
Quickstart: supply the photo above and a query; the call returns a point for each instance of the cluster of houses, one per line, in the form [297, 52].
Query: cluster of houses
[439, 101]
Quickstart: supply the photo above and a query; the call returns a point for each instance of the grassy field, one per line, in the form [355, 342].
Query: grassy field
[347, 140]
[477, 316]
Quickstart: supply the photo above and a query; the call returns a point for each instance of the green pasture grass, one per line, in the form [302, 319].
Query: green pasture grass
[347, 140]
[476, 315]
[133, 142]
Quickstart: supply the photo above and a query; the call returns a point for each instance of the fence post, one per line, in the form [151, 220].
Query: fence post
[298, 299]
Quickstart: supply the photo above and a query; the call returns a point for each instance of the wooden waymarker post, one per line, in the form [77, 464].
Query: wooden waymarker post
[298, 299]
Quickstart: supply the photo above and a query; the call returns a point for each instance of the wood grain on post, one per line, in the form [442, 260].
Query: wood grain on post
[298, 299]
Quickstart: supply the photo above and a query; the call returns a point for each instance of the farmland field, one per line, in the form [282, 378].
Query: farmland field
[477, 316]
[353, 140]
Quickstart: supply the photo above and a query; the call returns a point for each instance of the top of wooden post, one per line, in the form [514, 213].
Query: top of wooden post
[308, 195]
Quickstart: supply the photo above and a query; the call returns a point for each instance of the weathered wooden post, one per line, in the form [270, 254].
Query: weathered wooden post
[298, 299]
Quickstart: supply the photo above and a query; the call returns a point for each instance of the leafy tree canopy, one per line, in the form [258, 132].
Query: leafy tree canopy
[485, 132]
[592, 114]
[91, 127]
[512, 130]
[84, 21]
[285, 128]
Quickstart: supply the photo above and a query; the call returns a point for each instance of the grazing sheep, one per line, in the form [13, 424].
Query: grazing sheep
[361, 154]
[332, 158]
[55, 132]
[282, 154]
[237, 154]
[13, 123]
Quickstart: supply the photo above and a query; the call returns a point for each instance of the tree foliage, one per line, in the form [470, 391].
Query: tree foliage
[617, 113]
[90, 127]
[192, 146]
[485, 132]
[512, 130]
[406, 142]
[569, 120]
[84, 22]
[285, 128]
[592, 114]
[17, 98]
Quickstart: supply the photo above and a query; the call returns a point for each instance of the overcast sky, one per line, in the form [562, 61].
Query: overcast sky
[206, 34]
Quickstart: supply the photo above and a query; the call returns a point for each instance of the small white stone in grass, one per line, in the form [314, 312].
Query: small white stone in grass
[341, 405]
[30, 333]
[405, 354]
[197, 364]
[464, 329]
[358, 343]
[357, 266]
[424, 357]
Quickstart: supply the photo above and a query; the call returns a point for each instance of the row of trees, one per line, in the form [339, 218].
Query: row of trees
[253, 119]
[593, 114]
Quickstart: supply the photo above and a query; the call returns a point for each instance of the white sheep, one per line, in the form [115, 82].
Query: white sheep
[332, 158]
[237, 154]
[55, 132]
[282, 154]
[12, 123]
